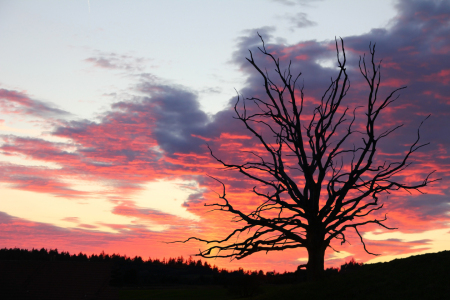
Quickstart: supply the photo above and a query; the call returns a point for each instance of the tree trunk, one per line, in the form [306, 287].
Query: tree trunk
[316, 258]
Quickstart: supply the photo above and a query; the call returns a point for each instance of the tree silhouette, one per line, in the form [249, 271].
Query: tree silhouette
[312, 185]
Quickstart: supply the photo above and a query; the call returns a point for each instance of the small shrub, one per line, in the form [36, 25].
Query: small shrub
[350, 266]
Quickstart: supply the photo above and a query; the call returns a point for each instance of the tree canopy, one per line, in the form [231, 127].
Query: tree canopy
[315, 180]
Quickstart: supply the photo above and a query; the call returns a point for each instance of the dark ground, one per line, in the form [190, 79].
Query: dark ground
[421, 277]
[42, 274]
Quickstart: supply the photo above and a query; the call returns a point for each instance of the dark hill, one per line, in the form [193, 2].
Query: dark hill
[424, 276]
[34, 280]
[32, 274]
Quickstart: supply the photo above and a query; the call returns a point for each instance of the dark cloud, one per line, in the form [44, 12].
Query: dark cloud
[194, 198]
[429, 206]
[177, 116]
[167, 118]
[14, 102]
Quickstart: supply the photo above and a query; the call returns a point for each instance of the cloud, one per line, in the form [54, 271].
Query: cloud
[18, 232]
[295, 2]
[38, 179]
[211, 90]
[14, 102]
[300, 20]
[116, 61]
[71, 219]
[151, 217]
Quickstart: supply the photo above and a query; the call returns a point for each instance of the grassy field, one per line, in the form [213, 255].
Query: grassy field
[417, 277]
[197, 292]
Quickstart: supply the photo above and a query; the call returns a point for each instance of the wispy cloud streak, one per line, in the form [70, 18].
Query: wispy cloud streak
[14, 102]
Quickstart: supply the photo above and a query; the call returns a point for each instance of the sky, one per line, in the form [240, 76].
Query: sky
[107, 108]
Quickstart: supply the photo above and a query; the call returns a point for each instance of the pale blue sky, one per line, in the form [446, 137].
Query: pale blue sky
[44, 44]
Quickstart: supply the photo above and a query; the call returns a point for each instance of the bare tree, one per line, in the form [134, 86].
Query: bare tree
[312, 186]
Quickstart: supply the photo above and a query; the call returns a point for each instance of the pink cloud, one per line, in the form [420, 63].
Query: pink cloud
[443, 76]
[37, 179]
[19, 103]
[117, 61]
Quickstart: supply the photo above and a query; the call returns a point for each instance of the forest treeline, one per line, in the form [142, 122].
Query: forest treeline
[135, 271]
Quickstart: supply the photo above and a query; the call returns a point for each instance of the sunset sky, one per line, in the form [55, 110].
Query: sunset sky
[107, 107]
